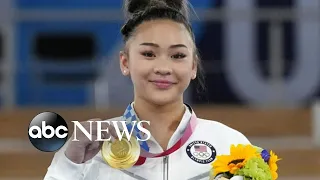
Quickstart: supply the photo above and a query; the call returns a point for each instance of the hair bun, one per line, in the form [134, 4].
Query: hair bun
[179, 5]
[176, 4]
[133, 6]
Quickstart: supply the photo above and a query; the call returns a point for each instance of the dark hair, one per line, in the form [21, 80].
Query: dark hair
[139, 11]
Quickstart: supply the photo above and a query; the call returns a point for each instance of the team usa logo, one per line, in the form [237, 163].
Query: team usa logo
[201, 152]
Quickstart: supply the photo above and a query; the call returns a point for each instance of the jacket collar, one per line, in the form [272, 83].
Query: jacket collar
[178, 132]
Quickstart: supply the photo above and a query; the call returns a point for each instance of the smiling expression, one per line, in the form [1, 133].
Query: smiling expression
[160, 61]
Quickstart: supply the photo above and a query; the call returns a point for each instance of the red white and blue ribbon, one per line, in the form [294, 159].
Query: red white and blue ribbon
[130, 116]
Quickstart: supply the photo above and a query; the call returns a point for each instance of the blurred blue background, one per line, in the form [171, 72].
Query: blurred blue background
[261, 60]
[64, 53]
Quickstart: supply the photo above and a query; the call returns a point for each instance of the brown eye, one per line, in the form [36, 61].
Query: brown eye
[148, 54]
[178, 56]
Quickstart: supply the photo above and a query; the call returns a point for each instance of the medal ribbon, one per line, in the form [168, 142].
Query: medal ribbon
[131, 116]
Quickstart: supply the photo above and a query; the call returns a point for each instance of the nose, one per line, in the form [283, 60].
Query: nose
[162, 66]
[163, 70]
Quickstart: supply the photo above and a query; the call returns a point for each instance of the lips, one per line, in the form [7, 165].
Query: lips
[163, 84]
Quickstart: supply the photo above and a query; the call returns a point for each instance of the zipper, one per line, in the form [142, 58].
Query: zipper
[166, 168]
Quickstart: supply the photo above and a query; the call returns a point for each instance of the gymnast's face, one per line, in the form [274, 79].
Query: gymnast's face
[160, 61]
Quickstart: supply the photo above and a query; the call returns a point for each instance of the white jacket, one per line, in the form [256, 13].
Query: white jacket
[210, 138]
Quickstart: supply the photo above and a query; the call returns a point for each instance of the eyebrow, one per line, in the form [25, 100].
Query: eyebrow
[156, 45]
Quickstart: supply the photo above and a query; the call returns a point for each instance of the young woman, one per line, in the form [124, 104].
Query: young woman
[161, 59]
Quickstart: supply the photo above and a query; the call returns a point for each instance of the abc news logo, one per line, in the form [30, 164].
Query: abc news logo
[48, 131]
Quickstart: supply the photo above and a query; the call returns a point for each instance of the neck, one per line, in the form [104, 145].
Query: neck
[160, 116]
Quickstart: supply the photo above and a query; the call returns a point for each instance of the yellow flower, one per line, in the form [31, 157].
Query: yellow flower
[220, 165]
[244, 152]
[273, 165]
[231, 163]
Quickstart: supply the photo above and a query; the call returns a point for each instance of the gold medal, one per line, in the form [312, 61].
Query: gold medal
[121, 154]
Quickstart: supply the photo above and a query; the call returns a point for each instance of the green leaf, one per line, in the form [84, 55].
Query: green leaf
[255, 169]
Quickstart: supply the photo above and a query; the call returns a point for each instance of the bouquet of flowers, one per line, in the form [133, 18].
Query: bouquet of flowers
[245, 162]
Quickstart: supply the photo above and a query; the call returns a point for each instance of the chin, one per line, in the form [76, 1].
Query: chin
[162, 97]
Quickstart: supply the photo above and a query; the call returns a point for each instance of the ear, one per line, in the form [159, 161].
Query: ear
[194, 70]
[124, 63]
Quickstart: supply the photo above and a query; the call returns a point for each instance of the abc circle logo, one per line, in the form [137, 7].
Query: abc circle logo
[48, 132]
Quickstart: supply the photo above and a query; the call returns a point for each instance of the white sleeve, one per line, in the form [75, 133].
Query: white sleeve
[240, 138]
[61, 168]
